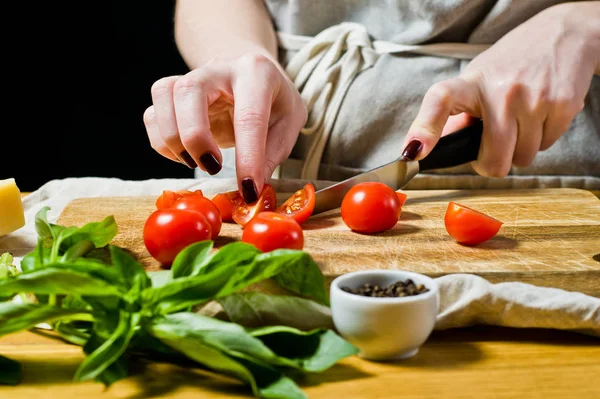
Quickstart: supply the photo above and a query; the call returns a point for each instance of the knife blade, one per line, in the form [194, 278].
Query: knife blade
[454, 149]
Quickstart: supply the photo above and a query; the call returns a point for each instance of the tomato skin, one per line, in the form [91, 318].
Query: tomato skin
[300, 205]
[401, 197]
[205, 207]
[468, 226]
[370, 207]
[225, 202]
[168, 197]
[243, 213]
[168, 231]
[270, 230]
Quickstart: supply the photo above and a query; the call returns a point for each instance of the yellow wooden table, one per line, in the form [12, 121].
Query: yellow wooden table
[477, 362]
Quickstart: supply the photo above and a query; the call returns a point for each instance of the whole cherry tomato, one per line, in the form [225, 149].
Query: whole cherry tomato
[371, 207]
[300, 205]
[168, 231]
[468, 226]
[270, 230]
[205, 207]
[267, 201]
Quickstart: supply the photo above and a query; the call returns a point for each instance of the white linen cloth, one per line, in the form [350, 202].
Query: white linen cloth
[465, 299]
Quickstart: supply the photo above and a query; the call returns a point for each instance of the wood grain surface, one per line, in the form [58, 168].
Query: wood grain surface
[478, 362]
[550, 237]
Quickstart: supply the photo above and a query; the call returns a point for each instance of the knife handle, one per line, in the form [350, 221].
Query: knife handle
[455, 149]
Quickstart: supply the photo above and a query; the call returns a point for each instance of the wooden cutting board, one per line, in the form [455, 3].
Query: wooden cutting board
[550, 237]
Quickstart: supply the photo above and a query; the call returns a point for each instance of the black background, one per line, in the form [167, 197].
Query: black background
[83, 75]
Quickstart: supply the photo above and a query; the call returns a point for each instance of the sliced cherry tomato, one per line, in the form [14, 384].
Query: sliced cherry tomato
[168, 231]
[468, 226]
[270, 230]
[300, 205]
[267, 201]
[225, 202]
[205, 207]
[370, 207]
[168, 197]
[402, 197]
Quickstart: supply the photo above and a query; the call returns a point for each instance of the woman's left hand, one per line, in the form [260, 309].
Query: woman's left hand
[527, 88]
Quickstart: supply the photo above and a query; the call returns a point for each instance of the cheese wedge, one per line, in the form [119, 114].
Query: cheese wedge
[12, 216]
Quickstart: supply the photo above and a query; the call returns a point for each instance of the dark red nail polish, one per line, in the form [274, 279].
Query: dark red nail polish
[210, 163]
[412, 150]
[249, 191]
[187, 159]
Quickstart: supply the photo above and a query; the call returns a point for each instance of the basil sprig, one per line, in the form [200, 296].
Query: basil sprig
[96, 295]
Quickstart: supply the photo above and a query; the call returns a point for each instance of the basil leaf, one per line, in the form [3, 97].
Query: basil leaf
[160, 278]
[99, 233]
[184, 292]
[20, 316]
[104, 355]
[35, 259]
[72, 332]
[271, 382]
[192, 259]
[45, 229]
[131, 271]
[313, 351]
[180, 332]
[10, 371]
[305, 278]
[256, 309]
[55, 280]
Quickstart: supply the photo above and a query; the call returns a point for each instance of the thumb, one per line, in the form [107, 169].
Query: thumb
[443, 99]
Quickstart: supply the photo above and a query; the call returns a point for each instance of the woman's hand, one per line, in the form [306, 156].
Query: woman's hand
[245, 101]
[527, 88]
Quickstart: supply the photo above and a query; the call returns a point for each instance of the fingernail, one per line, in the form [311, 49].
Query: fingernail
[412, 150]
[249, 191]
[210, 163]
[187, 159]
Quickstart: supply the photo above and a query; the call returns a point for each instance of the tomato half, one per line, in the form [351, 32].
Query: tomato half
[168, 231]
[267, 201]
[370, 207]
[225, 202]
[168, 197]
[401, 197]
[205, 207]
[270, 230]
[468, 226]
[300, 205]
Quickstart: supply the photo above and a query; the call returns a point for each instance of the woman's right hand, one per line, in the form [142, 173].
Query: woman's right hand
[247, 102]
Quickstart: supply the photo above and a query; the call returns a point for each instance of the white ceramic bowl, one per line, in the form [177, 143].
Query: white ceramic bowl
[384, 328]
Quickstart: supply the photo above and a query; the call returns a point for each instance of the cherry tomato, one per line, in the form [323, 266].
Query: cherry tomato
[468, 226]
[205, 207]
[370, 207]
[270, 230]
[300, 205]
[225, 202]
[402, 197]
[168, 231]
[267, 201]
[168, 197]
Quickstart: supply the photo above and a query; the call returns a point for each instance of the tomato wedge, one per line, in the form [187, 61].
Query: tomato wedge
[468, 226]
[242, 212]
[300, 205]
[168, 197]
[402, 197]
[225, 203]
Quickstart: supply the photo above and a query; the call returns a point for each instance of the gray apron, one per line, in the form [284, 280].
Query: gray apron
[363, 67]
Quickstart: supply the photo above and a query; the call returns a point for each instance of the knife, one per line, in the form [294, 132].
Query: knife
[454, 149]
